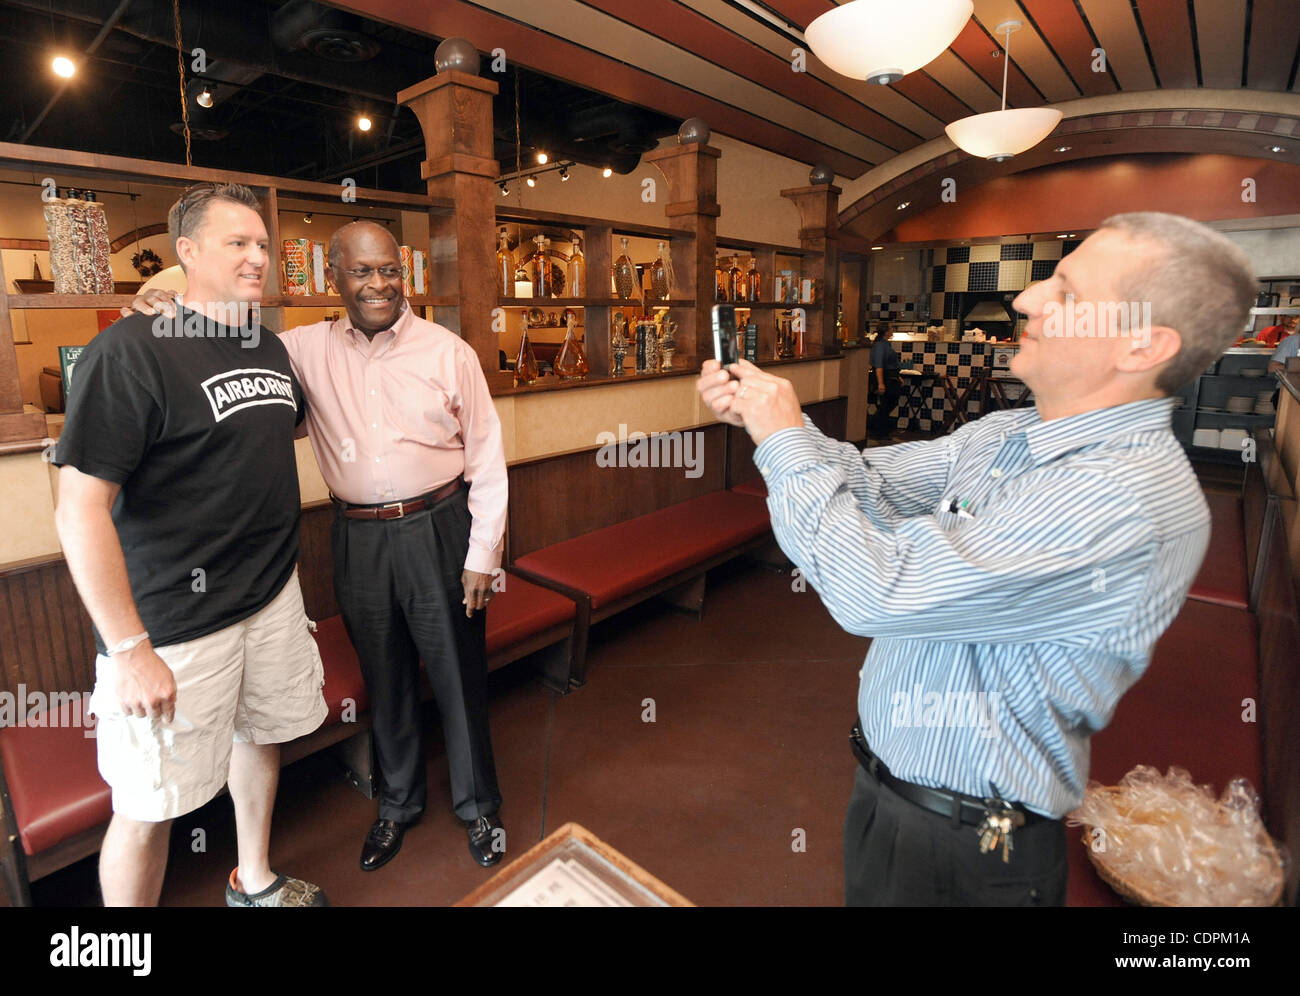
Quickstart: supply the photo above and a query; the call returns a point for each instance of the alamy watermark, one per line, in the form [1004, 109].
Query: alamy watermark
[47, 710]
[219, 320]
[1098, 320]
[663, 449]
[951, 710]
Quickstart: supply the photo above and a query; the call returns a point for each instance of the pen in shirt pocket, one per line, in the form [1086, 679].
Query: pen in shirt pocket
[960, 508]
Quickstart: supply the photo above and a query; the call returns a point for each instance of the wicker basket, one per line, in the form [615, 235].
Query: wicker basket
[1134, 892]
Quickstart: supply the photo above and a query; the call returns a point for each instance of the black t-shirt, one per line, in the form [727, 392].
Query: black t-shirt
[199, 434]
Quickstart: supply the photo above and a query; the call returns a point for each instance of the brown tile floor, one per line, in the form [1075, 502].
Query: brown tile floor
[752, 705]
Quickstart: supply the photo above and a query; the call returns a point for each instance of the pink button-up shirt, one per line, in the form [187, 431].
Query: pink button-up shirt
[399, 416]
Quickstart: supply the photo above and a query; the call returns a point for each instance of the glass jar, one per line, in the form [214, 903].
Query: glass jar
[625, 278]
[505, 266]
[577, 272]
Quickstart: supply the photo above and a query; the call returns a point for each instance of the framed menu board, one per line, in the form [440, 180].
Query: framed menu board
[573, 867]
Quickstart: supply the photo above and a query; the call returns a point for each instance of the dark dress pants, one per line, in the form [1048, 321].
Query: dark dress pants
[882, 423]
[898, 854]
[398, 583]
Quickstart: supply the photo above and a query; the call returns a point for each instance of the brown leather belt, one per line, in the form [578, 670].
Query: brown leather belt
[399, 509]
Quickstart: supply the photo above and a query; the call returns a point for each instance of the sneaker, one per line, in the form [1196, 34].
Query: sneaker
[284, 891]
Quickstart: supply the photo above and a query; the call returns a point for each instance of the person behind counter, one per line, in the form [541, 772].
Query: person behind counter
[888, 386]
[1018, 572]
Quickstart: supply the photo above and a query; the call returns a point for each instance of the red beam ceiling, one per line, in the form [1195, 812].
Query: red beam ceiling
[1274, 34]
[1169, 33]
[975, 47]
[1067, 35]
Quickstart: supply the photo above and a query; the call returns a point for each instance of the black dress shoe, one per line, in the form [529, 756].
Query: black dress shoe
[382, 844]
[487, 840]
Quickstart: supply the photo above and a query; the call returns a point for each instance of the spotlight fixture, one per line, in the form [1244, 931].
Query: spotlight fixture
[307, 217]
[363, 123]
[607, 172]
[564, 174]
[204, 99]
[504, 189]
[541, 158]
[531, 181]
[63, 66]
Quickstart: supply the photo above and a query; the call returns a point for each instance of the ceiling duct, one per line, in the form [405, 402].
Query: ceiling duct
[324, 31]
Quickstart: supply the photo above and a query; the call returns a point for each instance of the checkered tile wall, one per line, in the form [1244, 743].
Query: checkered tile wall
[937, 360]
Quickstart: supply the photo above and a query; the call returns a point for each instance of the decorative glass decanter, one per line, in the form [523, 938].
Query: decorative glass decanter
[733, 281]
[577, 272]
[505, 266]
[742, 284]
[540, 269]
[755, 281]
[720, 280]
[525, 362]
[661, 276]
[667, 341]
[625, 279]
[618, 344]
[571, 364]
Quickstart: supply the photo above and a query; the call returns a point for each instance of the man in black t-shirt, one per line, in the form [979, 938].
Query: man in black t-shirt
[178, 513]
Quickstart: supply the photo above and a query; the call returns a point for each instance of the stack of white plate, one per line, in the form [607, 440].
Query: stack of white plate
[1231, 439]
[1206, 437]
[1240, 406]
[1264, 403]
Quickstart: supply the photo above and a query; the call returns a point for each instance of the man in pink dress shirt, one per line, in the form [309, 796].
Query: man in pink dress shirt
[408, 440]
[401, 420]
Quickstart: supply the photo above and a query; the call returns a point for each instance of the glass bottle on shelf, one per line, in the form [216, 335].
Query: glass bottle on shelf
[733, 281]
[625, 277]
[742, 284]
[720, 282]
[660, 277]
[754, 280]
[525, 362]
[618, 344]
[540, 272]
[571, 364]
[505, 266]
[577, 272]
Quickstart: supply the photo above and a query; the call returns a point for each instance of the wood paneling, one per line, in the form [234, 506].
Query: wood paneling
[1068, 35]
[1169, 34]
[1274, 34]
[1220, 40]
[976, 47]
[46, 640]
[557, 498]
[1116, 29]
[1029, 52]
[955, 76]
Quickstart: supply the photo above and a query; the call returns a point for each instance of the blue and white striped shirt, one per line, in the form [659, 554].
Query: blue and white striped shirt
[1006, 631]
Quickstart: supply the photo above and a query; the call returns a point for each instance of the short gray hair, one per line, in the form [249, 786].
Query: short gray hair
[1198, 282]
[190, 211]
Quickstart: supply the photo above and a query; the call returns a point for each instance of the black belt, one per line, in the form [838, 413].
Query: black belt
[957, 807]
[398, 509]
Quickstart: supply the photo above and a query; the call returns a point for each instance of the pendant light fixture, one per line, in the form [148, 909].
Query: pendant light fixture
[999, 135]
[881, 41]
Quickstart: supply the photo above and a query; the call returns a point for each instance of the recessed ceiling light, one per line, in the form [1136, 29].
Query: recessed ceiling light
[363, 123]
[64, 66]
[1069, 235]
[607, 172]
[1276, 148]
[1063, 148]
[903, 205]
[875, 248]
[204, 99]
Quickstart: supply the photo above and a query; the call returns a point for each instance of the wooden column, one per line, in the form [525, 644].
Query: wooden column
[455, 113]
[819, 232]
[596, 317]
[691, 172]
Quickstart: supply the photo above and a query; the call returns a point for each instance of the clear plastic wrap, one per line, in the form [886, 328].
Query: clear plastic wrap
[1163, 839]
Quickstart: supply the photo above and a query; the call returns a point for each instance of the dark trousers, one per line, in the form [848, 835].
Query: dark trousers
[881, 423]
[398, 583]
[899, 854]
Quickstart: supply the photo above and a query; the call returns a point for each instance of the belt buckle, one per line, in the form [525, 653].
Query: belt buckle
[400, 506]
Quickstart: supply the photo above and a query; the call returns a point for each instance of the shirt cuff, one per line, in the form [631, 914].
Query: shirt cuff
[482, 561]
[785, 451]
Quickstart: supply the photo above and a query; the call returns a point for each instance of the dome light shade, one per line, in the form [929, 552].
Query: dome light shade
[999, 135]
[881, 41]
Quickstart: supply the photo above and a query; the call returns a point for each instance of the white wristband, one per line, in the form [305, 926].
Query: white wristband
[130, 643]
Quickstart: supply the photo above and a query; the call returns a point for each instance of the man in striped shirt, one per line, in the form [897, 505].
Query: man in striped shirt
[1014, 575]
